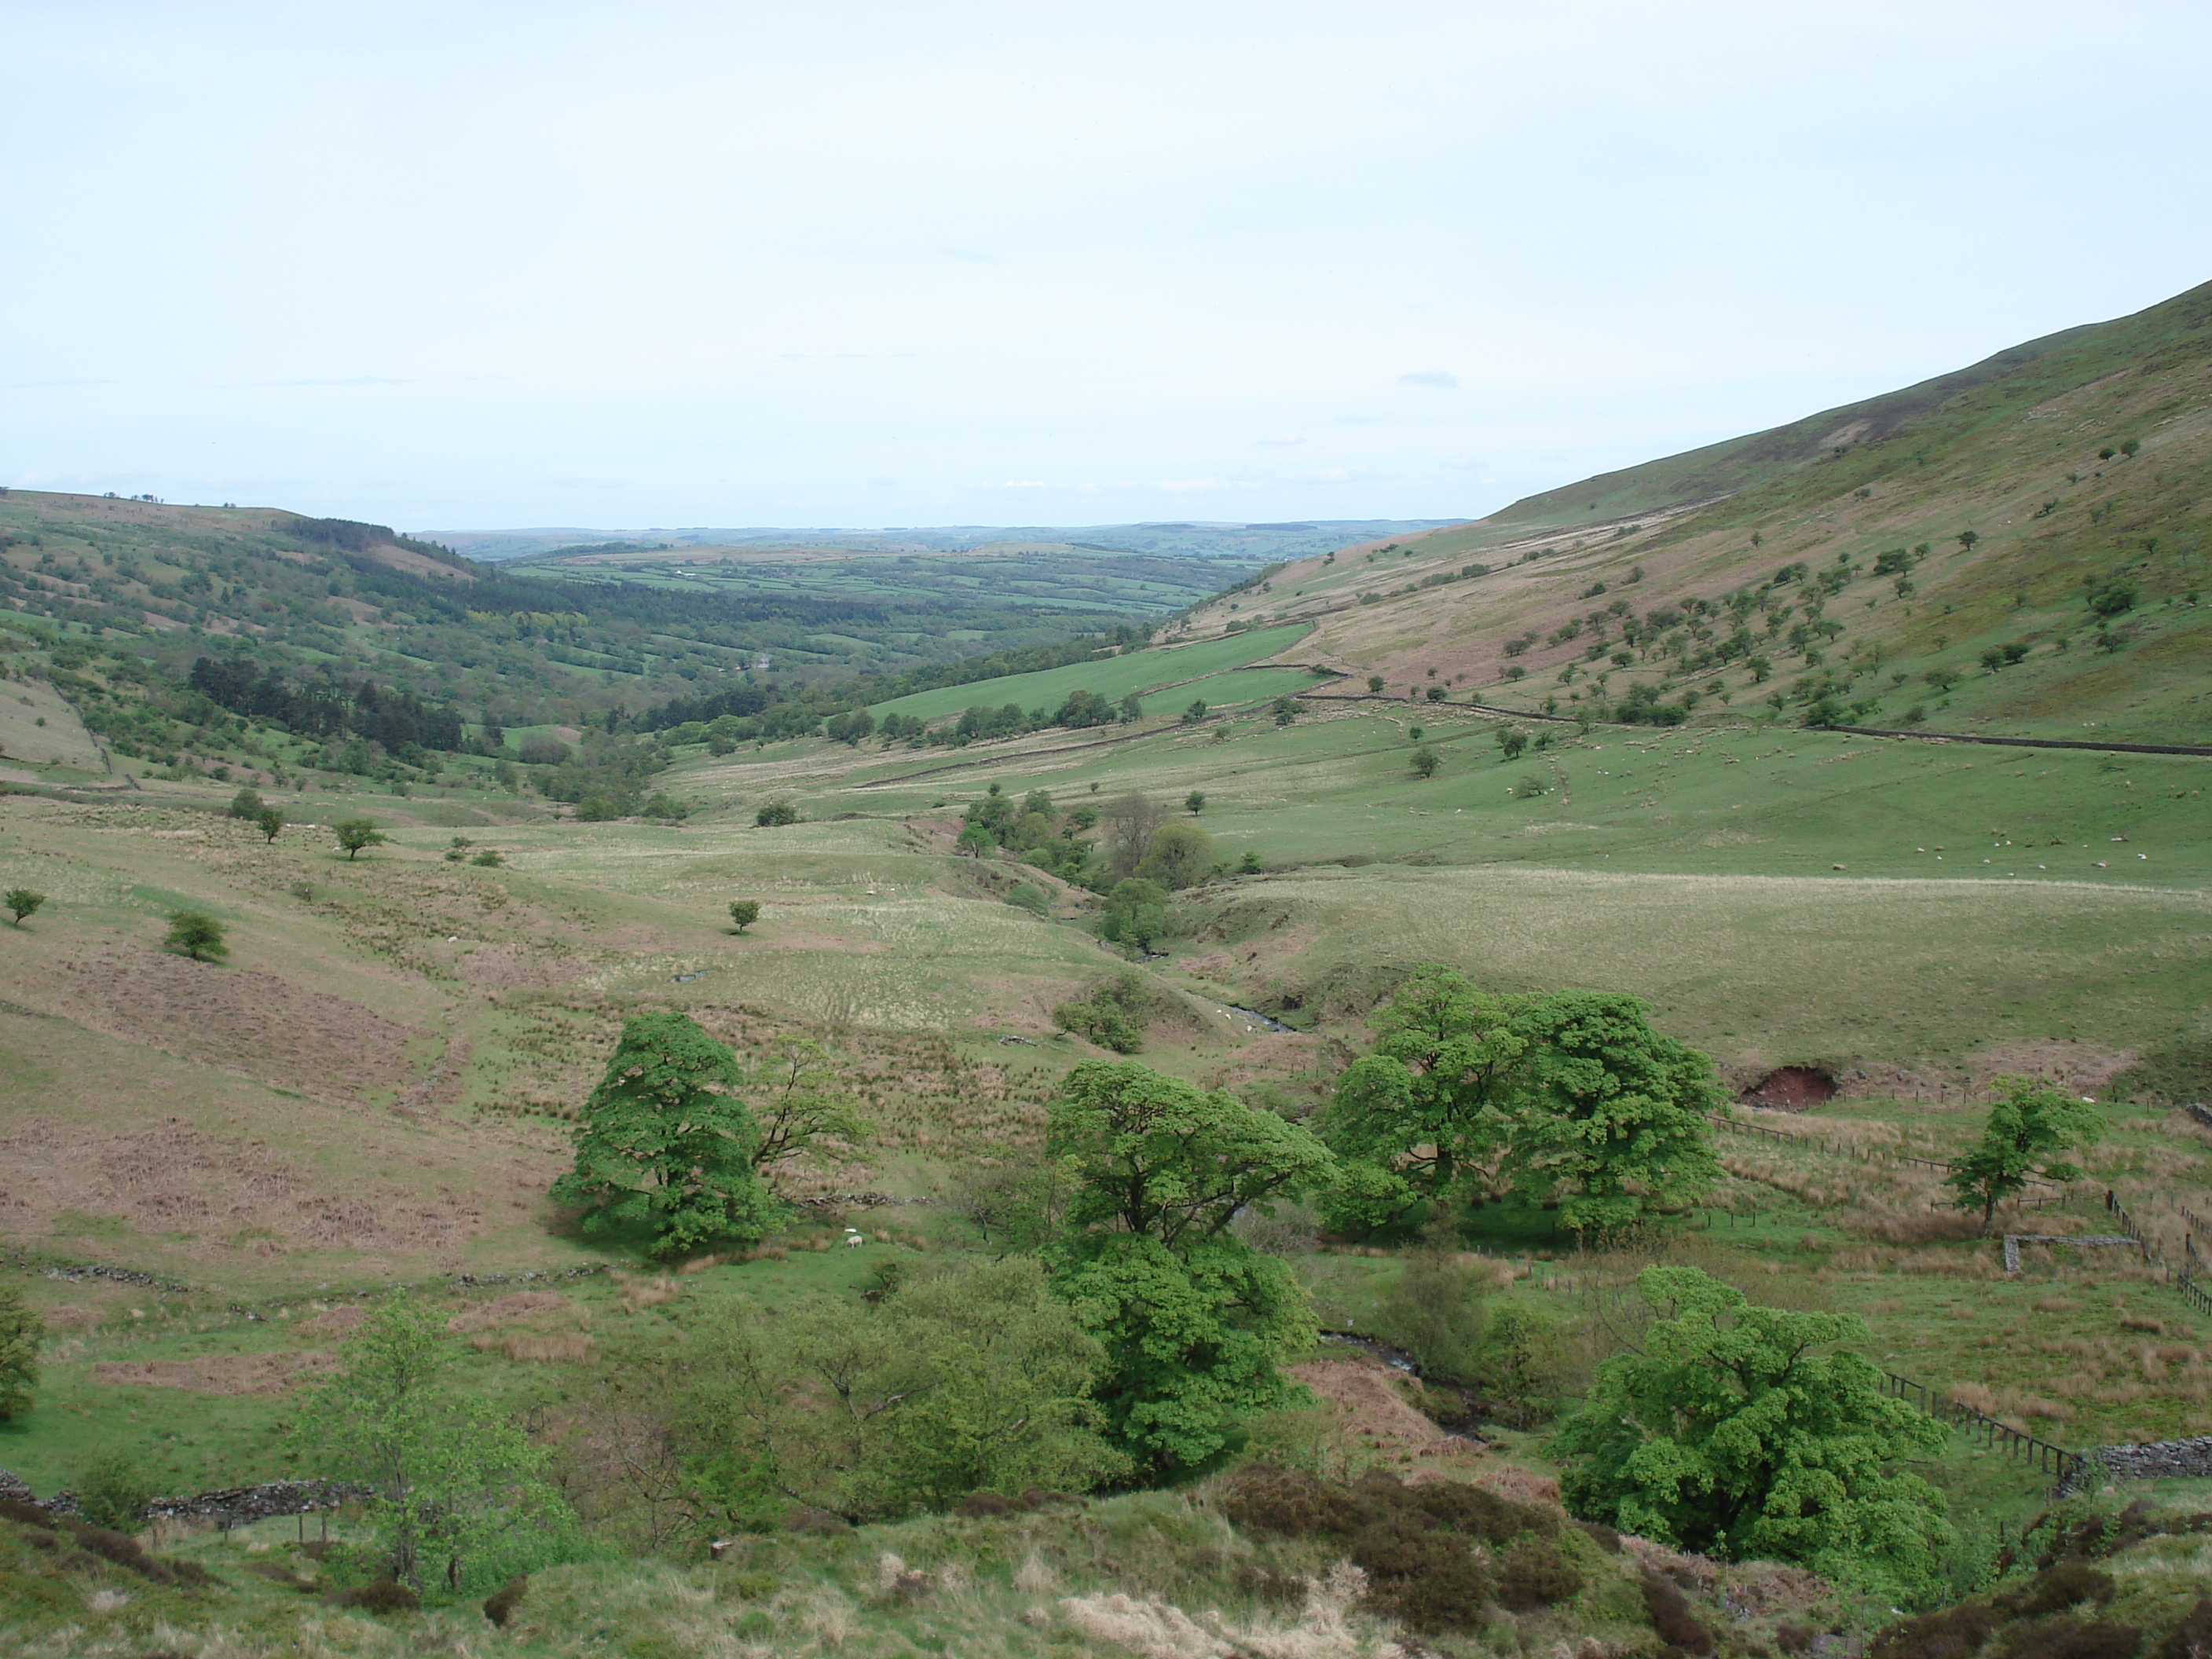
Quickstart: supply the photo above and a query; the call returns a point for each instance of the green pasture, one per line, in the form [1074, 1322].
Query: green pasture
[1112, 678]
[1237, 687]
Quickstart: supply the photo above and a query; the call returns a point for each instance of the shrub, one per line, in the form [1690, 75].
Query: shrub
[2058, 1587]
[1114, 1016]
[246, 804]
[1429, 1580]
[501, 1604]
[197, 935]
[1030, 897]
[1536, 1575]
[385, 1595]
[774, 816]
[1671, 1618]
[113, 1491]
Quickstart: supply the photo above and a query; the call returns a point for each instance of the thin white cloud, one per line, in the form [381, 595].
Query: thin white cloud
[1439, 379]
[1283, 441]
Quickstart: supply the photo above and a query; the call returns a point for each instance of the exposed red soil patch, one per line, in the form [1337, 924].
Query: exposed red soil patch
[217, 1374]
[1791, 1089]
[237, 1020]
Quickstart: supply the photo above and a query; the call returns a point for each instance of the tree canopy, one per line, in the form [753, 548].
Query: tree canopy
[797, 1103]
[357, 836]
[1423, 1113]
[1195, 1323]
[21, 1331]
[1569, 1097]
[1611, 1117]
[2028, 1129]
[197, 935]
[1733, 1434]
[666, 1143]
[1158, 1157]
[975, 1379]
[458, 1500]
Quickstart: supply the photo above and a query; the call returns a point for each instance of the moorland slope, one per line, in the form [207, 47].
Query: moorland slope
[2018, 548]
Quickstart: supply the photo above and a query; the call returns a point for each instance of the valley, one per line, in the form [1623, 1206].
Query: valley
[1676, 735]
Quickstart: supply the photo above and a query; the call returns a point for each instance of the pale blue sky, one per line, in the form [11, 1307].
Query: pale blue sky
[465, 265]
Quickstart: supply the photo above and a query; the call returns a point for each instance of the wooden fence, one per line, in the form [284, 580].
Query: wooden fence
[2051, 1459]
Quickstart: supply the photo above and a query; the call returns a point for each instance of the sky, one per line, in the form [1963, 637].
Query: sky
[472, 264]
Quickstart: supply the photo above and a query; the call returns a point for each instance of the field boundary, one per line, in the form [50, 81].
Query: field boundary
[2051, 1459]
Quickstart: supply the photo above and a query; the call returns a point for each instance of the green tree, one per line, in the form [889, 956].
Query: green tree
[1423, 1114]
[776, 814]
[799, 1103]
[665, 1143]
[1195, 1338]
[246, 804]
[269, 822]
[1195, 1323]
[745, 913]
[1733, 1434]
[1285, 710]
[197, 935]
[21, 1331]
[975, 1379]
[1610, 1116]
[1154, 1156]
[1195, 802]
[1195, 713]
[458, 1501]
[1966, 539]
[357, 836]
[1375, 684]
[1136, 914]
[1424, 762]
[1248, 863]
[1113, 1015]
[1179, 856]
[21, 902]
[1511, 741]
[975, 840]
[2027, 1130]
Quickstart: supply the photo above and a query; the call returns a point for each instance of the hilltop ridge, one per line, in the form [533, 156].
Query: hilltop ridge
[2016, 549]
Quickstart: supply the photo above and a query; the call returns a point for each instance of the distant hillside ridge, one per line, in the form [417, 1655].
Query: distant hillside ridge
[2019, 548]
[1698, 476]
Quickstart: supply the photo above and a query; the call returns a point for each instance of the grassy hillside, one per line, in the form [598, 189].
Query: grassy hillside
[208, 1170]
[2022, 556]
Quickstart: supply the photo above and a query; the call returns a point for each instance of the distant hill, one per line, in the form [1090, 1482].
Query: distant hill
[2020, 547]
[1256, 543]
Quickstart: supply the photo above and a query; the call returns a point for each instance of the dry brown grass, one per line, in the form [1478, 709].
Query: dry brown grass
[530, 1347]
[217, 1374]
[636, 1294]
[521, 1307]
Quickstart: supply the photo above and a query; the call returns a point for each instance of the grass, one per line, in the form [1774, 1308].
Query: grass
[1111, 677]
